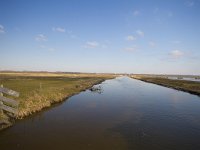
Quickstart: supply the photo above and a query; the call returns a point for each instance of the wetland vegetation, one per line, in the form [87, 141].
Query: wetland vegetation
[41, 90]
[192, 87]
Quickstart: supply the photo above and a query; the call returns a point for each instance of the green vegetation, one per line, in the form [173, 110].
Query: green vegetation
[183, 85]
[40, 90]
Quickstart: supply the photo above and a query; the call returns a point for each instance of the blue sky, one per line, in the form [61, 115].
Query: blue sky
[119, 36]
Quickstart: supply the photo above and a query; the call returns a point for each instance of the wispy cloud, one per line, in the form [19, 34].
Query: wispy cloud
[42, 46]
[59, 29]
[104, 46]
[136, 13]
[71, 34]
[130, 38]
[41, 38]
[2, 30]
[131, 49]
[140, 33]
[189, 3]
[51, 49]
[91, 44]
[176, 54]
[152, 44]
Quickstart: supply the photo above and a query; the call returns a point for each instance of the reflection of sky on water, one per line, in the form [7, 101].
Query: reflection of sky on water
[188, 79]
[128, 114]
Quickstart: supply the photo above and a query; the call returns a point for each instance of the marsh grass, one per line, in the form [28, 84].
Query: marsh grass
[38, 92]
[183, 85]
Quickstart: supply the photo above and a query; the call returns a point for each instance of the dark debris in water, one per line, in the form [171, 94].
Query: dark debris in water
[96, 89]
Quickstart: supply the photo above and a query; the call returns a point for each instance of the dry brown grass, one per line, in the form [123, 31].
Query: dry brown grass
[40, 90]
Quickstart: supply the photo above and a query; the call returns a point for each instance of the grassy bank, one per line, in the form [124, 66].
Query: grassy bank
[187, 86]
[40, 90]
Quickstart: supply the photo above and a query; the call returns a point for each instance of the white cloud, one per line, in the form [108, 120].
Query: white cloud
[59, 29]
[189, 3]
[91, 44]
[176, 53]
[140, 33]
[71, 34]
[50, 49]
[131, 49]
[136, 13]
[40, 38]
[2, 30]
[130, 38]
[152, 44]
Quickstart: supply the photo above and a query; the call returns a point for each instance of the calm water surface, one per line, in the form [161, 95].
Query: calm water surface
[128, 114]
[187, 79]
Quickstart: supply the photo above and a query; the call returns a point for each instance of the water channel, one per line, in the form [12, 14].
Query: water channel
[127, 114]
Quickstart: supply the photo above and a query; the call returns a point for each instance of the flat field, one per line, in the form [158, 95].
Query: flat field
[192, 87]
[39, 90]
